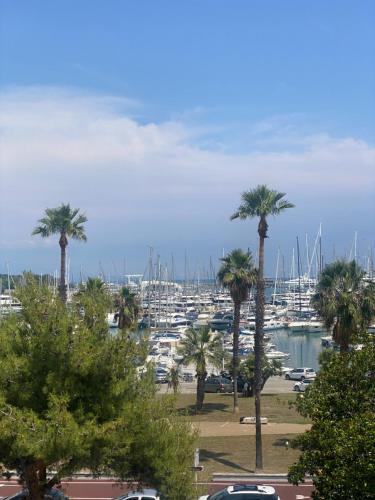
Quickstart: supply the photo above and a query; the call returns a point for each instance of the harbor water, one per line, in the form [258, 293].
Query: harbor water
[304, 348]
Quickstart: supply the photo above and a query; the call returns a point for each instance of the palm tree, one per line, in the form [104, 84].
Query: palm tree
[270, 368]
[65, 221]
[94, 285]
[260, 202]
[93, 302]
[201, 347]
[345, 301]
[128, 308]
[237, 273]
[174, 378]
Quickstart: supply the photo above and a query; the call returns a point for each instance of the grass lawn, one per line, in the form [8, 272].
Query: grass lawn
[237, 454]
[219, 408]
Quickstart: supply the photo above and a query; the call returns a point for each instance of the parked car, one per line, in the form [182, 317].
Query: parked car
[301, 386]
[52, 494]
[240, 384]
[244, 492]
[240, 380]
[146, 494]
[187, 377]
[161, 376]
[300, 374]
[218, 384]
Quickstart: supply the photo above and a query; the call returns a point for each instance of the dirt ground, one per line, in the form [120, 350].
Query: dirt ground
[209, 429]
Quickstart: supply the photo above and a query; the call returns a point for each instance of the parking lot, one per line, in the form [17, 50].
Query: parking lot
[274, 385]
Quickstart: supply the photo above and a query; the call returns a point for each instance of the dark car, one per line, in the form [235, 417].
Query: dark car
[218, 384]
[52, 494]
[240, 380]
[240, 384]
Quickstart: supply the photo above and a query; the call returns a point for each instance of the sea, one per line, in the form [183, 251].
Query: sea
[303, 348]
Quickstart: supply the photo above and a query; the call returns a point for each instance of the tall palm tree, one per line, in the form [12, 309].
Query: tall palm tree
[344, 301]
[260, 202]
[128, 306]
[201, 347]
[64, 221]
[237, 273]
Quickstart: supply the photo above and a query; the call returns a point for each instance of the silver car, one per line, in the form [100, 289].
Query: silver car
[302, 386]
[244, 492]
[300, 374]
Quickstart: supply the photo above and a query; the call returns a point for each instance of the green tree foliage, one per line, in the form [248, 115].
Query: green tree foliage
[201, 347]
[127, 304]
[260, 202]
[71, 398]
[93, 302]
[237, 273]
[65, 221]
[270, 368]
[339, 450]
[345, 301]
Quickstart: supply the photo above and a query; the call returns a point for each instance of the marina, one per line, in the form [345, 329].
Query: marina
[293, 334]
[293, 339]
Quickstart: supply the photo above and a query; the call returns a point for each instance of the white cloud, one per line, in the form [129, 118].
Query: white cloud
[63, 145]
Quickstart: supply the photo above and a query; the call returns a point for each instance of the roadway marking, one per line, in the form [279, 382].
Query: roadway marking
[224, 424]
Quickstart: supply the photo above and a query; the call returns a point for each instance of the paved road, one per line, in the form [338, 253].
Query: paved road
[101, 489]
[274, 385]
[208, 429]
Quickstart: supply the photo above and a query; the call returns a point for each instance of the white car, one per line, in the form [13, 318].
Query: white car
[146, 494]
[244, 492]
[300, 374]
[301, 386]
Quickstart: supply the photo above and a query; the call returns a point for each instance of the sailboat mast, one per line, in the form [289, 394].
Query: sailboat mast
[149, 287]
[277, 274]
[299, 276]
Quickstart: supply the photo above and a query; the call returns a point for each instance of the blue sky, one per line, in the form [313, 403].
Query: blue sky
[153, 117]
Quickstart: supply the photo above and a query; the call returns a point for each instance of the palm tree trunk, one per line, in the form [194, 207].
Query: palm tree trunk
[201, 378]
[341, 336]
[236, 324]
[258, 345]
[63, 242]
[121, 317]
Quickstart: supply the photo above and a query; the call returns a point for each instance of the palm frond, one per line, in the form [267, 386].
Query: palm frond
[261, 202]
[237, 273]
[62, 219]
[344, 300]
[199, 347]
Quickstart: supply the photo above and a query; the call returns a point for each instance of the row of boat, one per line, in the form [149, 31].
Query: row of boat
[168, 316]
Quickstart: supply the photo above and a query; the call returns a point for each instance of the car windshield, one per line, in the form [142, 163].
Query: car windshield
[244, 496]
[224, 495]
[221, 495]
